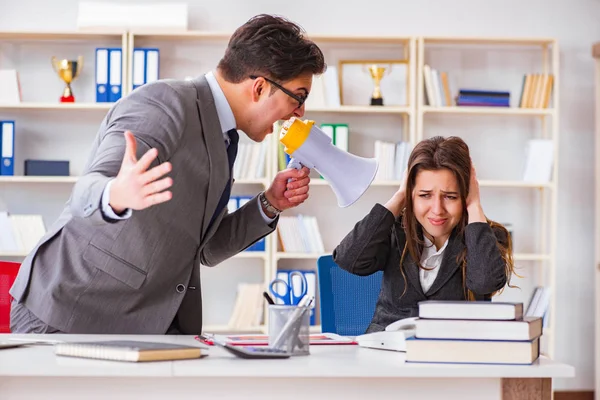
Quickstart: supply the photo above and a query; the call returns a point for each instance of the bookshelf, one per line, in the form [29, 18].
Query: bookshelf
[192, 53]
[596, 55]
[469, 62]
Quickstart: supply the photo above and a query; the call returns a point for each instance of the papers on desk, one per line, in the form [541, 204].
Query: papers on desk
[263, 340]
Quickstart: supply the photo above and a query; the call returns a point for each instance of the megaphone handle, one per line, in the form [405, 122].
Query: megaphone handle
[294, 164]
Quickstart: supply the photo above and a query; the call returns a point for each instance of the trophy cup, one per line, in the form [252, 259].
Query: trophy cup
[377, 73]
[68, 71]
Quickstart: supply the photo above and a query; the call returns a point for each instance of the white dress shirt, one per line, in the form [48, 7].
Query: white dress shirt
[227, 121]
[431, 259]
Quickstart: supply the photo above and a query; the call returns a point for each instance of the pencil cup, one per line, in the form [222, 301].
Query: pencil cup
[289, 329]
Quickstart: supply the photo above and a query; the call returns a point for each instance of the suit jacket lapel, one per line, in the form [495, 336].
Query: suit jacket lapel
[449, 264]
[215, 146]
[410, 267]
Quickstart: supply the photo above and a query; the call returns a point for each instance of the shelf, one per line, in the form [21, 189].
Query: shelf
[482, 183]
[489, 41]
[181, 35]
[38, 179]
[488, 110]
[56, 106]
[73, 35]
[251, 254]
[73, 179]
[531, 257]
[516, 184]
[362, 110]
[13, 254]
[298, 256]
[323, 182]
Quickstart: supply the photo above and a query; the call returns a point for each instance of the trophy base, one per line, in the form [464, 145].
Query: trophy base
[377, 102]
[67, 99]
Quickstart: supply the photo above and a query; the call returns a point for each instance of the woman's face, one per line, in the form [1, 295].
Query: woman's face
[436, 203]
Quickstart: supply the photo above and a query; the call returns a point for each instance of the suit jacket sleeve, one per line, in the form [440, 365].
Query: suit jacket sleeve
[155, 115]
[365, 249]
[236, 232]
[486, 269]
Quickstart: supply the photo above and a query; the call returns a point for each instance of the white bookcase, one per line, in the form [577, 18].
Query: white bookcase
[497, 136]
[47, 129]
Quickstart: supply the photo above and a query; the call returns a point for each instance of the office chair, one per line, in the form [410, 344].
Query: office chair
[347, 300]
[8, 274]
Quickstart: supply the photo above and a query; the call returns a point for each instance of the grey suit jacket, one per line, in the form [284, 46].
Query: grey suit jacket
[376, 244]
[90, 275]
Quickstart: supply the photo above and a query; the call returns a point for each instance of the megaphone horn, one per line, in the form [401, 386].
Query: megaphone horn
[349, 175]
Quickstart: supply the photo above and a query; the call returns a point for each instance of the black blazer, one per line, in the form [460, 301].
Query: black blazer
[376, 244]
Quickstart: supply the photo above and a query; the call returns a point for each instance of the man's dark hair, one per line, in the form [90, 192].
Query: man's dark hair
[273, 47]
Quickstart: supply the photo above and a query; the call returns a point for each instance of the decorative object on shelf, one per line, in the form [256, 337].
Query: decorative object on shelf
[68, 71]
[353, 89]
[46, 168]
[349, 175]
[377, 73]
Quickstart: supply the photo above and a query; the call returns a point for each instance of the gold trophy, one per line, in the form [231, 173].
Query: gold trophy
[377, 74]
[68, 71]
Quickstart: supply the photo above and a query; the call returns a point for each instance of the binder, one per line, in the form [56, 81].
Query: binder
[152, 65]
[101, 75]
[146, 66]
[7, 145]
[114, 73]
[139, 68]
[259, 245]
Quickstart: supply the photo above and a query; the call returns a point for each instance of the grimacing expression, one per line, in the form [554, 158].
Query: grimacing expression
[437, 204]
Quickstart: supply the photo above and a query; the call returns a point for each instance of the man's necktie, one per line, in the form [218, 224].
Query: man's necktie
[232, 149]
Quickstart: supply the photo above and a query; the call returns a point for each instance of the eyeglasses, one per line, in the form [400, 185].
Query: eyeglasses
[299, 99]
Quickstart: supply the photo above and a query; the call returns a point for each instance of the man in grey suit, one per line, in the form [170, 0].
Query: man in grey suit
[124, 256]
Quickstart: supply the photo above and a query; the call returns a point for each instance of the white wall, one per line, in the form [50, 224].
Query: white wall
[574, 23]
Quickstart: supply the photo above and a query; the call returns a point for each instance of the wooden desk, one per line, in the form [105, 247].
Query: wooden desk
[330, 372]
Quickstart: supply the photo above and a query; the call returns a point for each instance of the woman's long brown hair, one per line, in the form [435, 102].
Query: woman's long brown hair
[434, 154]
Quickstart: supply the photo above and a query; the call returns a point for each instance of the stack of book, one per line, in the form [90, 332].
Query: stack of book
[483, 98]
[474, 332]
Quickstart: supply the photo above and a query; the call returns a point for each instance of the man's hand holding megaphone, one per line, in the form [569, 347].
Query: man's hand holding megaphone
[289, 189]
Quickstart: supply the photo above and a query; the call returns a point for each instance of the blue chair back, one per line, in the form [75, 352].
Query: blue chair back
[347, 300]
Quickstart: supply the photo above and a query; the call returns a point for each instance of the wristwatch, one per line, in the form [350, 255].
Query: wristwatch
[268, 206]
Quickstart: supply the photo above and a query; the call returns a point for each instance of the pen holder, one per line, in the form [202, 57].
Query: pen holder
[289, 329]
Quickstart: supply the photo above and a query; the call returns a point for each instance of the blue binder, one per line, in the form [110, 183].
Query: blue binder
[146, 66]
[7, 148]
[115, 58]
[101, 75]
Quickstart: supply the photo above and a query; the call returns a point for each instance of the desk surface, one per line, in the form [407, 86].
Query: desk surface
[344, 361]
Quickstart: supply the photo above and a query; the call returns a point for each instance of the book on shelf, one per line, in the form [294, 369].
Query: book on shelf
[128, 350]
[10, 88]
[20, 233]
[248, 306]
[539, 161]
[536, 90]
[300, 234]
[250, 162]
[480, 310]
[392, 158]
[436, 87]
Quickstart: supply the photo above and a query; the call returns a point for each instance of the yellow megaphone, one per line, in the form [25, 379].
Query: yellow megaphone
[349, 175]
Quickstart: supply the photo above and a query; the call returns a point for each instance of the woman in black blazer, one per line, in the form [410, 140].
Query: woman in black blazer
[434, 244]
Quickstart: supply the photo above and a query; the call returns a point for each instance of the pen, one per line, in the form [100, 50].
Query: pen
[269, 299]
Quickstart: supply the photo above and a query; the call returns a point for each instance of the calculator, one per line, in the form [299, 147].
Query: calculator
[256, 352]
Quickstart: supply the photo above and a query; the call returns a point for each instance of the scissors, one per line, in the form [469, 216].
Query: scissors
[293, 291]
